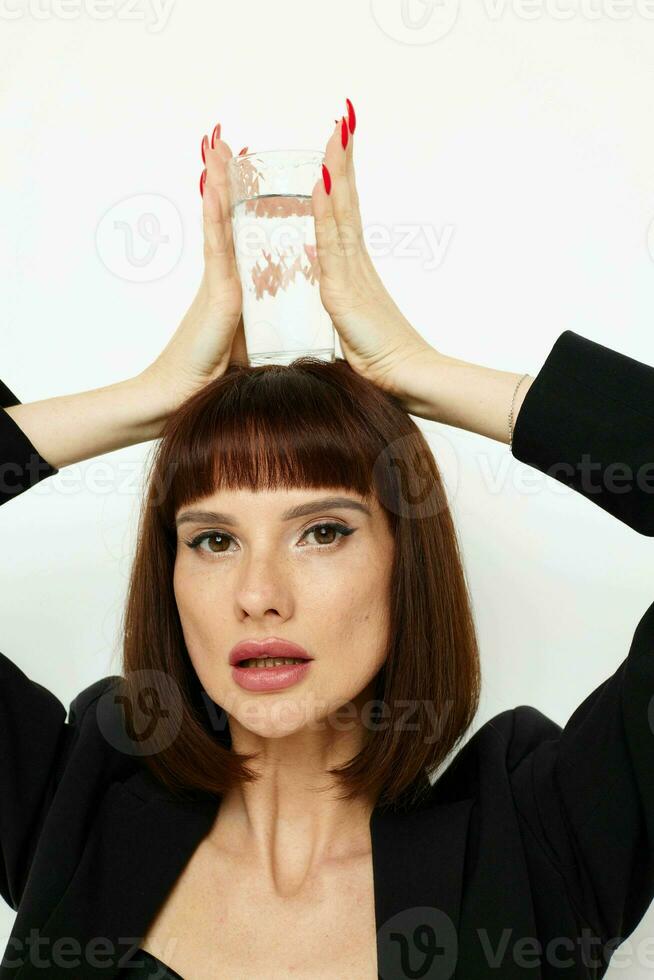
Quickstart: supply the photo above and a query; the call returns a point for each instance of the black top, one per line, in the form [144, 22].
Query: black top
[148, 967]
[532, 856]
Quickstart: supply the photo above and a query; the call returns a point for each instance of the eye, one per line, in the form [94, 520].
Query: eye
[340, 529]
[208, 536]
[220, 537]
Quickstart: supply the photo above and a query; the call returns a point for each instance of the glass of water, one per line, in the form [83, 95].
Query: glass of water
[275, 247]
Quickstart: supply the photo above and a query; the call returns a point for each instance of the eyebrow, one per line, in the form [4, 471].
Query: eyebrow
[300, 510]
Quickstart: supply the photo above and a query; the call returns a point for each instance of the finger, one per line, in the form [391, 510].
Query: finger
[345, 212]
[219, 258]
[216, 217]
[328, 245]
[349, 166]
[217, 158]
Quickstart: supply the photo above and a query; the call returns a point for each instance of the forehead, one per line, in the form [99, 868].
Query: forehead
[232, 506]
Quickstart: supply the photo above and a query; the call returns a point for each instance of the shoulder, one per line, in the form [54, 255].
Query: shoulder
[98, 734]
[495, 749]
[511, 735]
[515, 733]
[90, 695]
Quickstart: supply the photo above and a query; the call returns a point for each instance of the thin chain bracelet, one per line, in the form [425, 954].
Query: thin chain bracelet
[515, 390]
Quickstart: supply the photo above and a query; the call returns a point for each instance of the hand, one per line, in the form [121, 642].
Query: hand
[376, 339]
[211, 334]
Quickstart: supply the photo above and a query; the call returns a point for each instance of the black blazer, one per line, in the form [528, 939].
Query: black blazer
[533, 855]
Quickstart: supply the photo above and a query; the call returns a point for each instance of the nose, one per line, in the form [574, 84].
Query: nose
[262, 590]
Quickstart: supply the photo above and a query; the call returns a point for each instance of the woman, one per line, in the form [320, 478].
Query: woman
[198, 818]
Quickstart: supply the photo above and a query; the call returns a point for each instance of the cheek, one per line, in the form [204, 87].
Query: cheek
[185, 590]
[361, 625]
[353, 596]
[199, 612]
[376, 609]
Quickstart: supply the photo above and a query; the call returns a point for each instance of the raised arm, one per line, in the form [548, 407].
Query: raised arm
[586, 419]
[585, 793]
[38, 438]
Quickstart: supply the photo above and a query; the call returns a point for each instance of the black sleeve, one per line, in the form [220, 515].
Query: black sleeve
[36, 742]
[588, 422]
[587, 795]
[21, 465]
[35, 737]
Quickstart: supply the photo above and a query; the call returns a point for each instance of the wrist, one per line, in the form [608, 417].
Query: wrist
[465, 395]
[152, 401]
[417, 382]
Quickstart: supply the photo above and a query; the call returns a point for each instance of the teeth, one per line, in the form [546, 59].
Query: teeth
[270, 661]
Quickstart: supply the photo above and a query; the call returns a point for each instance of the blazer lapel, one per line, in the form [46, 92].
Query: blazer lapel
[143, 838]
[138, 846]
[418, 865]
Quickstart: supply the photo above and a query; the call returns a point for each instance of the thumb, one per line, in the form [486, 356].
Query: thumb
[239, 353]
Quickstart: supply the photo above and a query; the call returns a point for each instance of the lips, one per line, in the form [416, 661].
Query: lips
[270, 647]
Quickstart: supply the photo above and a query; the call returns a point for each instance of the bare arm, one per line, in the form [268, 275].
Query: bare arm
[69, 428]
[468, 396]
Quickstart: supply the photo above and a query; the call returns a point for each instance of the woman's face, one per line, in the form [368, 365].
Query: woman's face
[264, 566]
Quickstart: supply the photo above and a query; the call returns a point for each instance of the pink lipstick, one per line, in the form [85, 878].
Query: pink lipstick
[268, 677]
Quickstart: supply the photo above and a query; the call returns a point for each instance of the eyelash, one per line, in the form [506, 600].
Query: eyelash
[342, 529]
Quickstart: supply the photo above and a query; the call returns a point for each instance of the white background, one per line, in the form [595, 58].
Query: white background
[518, 138]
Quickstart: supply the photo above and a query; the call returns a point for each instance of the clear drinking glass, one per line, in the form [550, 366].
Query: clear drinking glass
[275, 248]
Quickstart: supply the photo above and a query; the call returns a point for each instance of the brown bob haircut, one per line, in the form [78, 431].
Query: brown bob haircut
[310, 424]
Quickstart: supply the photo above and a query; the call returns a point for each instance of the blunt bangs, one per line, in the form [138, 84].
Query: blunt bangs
[273, 427]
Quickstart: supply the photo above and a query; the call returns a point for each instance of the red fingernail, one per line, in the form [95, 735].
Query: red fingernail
[351, 118]
[244, 150]
[215, 135]
[203, 177]
[344, 136]
[326, 178]
[205, 139]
